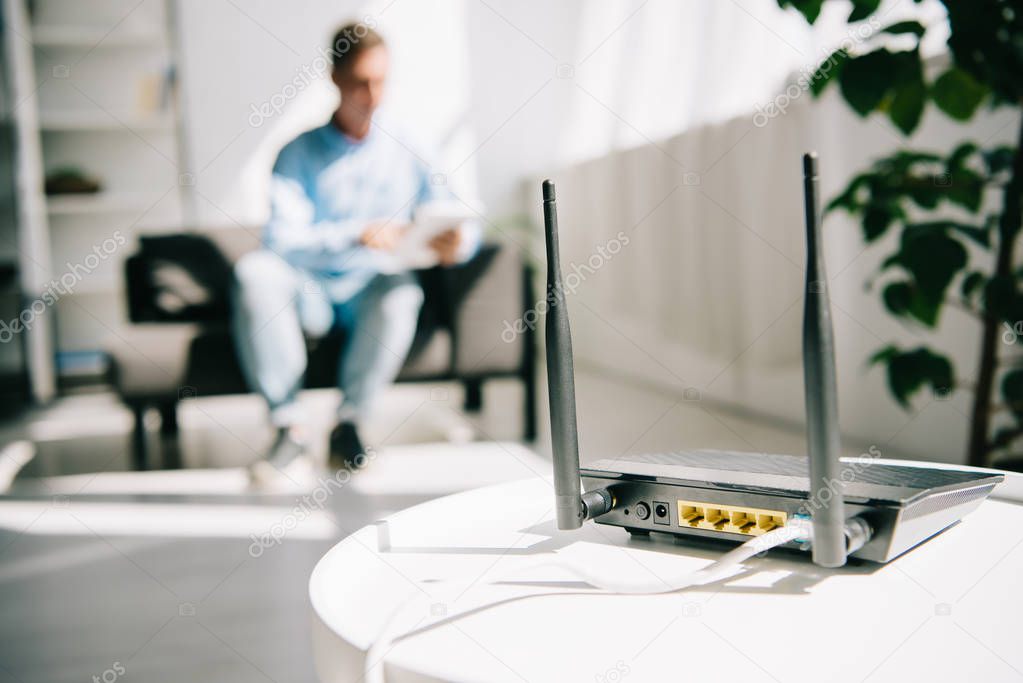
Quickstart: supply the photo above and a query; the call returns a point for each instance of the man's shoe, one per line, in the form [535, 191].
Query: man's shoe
[286, 464]
[346, 447]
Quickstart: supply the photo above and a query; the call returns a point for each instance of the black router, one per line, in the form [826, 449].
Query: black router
[856, 507]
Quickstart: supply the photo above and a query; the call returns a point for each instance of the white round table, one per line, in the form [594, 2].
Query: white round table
[951, 609]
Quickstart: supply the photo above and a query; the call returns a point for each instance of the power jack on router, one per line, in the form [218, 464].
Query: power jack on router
[661, 513]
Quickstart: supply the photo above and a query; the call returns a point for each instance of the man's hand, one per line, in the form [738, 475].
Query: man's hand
[382, 234]
[446, 245]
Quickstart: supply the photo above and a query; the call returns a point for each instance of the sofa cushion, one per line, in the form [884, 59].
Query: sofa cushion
[161, 361]
[178, 278]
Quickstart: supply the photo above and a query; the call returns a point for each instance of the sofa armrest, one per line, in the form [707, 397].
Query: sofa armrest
[138, 288]
[489, 297]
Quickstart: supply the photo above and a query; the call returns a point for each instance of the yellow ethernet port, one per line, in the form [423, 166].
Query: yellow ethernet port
[732, 519]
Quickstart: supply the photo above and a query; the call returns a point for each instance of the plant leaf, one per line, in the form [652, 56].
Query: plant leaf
[1012, 392]
[999, 159]
[966, 189]
[972, 232]
[957, 93]
[811, 9]
[1003, 437]
[866, 79]
[1003, 300]
[883, 355]
[933, 258]
[904, 158]
[909, 371]
[970, 284]
[926, 192]
[898, 297]
[906, 299]
[907, 106]
[849, 198]
[876, 219]
[981, 236]
[985, 41]
[960, 155]
[863, 9]
[914, 27]
[827, 71]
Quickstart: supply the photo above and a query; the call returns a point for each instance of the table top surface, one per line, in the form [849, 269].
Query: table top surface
[952, 608]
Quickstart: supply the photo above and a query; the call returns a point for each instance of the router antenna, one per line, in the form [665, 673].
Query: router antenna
[822, 439]
[572, 507]
[560, 379]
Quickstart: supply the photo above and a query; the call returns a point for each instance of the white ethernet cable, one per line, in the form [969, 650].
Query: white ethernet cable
[797, 529]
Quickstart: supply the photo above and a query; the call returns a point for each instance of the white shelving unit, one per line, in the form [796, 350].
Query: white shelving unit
[86, 121]
[78, 36]
[97, 90]
[106, 202]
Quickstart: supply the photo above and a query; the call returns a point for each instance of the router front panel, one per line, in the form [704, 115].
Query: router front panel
[735, 496]
[725, 515]
[862, 481]
[938, 510]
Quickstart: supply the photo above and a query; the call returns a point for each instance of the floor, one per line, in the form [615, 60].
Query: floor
[190, 575]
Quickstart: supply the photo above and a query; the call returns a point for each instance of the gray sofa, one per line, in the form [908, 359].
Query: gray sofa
[178, 345]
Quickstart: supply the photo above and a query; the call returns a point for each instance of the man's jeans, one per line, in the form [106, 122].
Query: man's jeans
[274, 304]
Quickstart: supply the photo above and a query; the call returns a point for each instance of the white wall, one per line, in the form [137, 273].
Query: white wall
[707, 295]
[503, 88]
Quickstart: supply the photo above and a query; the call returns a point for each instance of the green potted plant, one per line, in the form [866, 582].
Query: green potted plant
[909, 191]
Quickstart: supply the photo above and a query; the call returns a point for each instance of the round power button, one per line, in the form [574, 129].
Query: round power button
[642, 510]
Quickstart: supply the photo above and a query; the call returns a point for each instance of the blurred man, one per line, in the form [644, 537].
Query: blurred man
[341, 197]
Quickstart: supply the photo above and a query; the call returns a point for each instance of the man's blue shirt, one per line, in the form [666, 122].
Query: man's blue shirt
[326, 187]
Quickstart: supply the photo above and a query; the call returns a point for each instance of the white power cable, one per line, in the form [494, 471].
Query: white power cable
[724, 567]
[797, 529]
